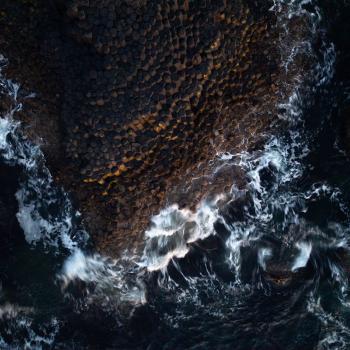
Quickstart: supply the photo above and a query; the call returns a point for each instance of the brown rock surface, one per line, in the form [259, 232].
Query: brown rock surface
[146, 93]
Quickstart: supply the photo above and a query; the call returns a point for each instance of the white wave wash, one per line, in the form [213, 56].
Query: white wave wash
[263, 255]
[113, 282]
[334, 334]
[46, 215]
[285, 155]
[282, 157]
[35, 191]
[8, 311]
[302, 259]
[45, 211]
[41, 338]
[173, 229]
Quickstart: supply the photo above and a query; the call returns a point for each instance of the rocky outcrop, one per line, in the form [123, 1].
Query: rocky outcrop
[136, 98]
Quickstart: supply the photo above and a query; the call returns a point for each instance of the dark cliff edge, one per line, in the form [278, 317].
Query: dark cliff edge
[135, 98]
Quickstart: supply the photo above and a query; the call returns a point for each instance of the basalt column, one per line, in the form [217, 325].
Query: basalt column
[153, 90]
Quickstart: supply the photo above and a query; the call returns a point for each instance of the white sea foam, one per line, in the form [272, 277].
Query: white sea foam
[263, 255]
[302, 259]
[281, 158]
[26, 336]
[334, 333]
[47, 216]
[110, 284]
[174, 229]
[8, 310]
[45, 211]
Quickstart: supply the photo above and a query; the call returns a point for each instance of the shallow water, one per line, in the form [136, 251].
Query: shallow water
[204, 280]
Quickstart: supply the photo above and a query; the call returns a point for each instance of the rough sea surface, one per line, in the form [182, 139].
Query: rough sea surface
[204, 279]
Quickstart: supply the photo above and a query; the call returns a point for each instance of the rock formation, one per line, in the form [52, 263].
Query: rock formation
[136, 98]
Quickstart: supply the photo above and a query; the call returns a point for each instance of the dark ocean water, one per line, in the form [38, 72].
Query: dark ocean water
[207, 279]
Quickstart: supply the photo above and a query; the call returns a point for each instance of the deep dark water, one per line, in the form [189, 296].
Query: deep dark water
[293, 222]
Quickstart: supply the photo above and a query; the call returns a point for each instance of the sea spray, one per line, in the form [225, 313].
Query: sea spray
[173, 230]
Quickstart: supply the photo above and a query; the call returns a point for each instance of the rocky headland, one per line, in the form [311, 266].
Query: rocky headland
[134, 99]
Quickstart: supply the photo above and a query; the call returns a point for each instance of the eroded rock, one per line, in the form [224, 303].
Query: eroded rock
[148, 92]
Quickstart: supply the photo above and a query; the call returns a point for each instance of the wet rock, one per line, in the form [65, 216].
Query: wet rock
[164, 86]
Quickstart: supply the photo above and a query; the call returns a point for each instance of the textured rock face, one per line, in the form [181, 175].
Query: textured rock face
[149, 92]
[28, 39]
[154, 91]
